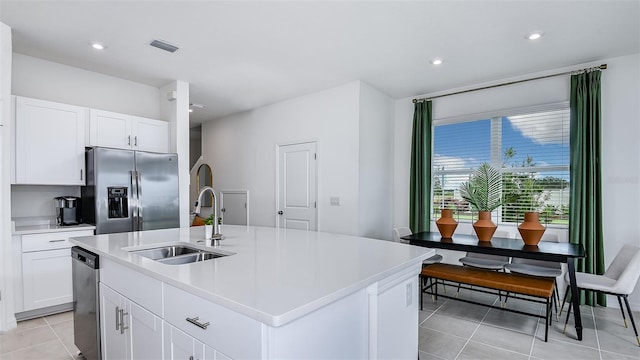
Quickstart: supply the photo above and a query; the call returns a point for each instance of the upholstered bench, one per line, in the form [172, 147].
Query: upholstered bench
[533, 287]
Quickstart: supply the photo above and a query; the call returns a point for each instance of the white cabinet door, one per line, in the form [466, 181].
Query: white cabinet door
[114, 339]
[46, 277]
[129, 331]
[181, 346]
[110, 129]
[123, 131]
[150, 135]
[146, 333]
[49, 143]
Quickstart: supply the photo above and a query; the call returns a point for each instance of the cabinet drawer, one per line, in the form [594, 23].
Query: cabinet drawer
[231, 333]
[138, 287]
[50, 241]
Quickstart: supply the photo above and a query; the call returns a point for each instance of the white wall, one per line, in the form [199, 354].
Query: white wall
[7, 318]
[46, 80]
[37, 200]
[620, 132]
[242, 152]
[376, 164]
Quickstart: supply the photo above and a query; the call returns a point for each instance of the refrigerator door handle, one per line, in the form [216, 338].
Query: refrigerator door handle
[134, 199]
[139, 192]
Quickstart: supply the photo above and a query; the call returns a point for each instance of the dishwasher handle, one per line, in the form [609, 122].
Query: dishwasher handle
[86, 257]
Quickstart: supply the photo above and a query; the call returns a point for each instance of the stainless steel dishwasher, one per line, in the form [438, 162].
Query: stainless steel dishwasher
[86, 307]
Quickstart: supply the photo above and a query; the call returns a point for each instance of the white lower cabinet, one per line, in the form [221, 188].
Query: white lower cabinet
[46, 278]
[181, 346]
[45, 269]
[377, 322]
[128, 330]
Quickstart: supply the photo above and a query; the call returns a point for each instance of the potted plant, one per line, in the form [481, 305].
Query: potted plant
[208, 227]
[484, 193]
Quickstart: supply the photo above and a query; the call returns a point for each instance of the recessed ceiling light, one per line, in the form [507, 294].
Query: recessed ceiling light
[436, 61]
[535, 35]
[98, 46]
[190, 110]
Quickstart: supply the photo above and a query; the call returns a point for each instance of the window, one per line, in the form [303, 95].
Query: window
[529, 146]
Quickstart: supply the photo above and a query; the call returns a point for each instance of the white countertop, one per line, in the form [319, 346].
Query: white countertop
[48, 228]
[42, 225]
[275, 276]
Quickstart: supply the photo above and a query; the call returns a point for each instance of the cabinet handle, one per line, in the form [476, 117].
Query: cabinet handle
[195, 322]
[54, 241]
[80, 174]
[122, 327]
[129, 140]
[135, 141]
[117, 318]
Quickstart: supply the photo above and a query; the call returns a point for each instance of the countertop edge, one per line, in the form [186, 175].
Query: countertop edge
[40, 229]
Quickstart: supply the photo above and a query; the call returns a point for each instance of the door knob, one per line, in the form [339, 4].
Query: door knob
[280, 212]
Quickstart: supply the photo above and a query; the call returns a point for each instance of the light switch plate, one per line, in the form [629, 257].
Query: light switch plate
[334, 201]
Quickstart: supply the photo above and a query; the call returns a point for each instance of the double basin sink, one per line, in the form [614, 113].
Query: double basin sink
[178, 254]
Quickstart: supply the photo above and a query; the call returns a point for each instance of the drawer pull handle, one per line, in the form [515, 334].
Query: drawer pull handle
[122, 315]
[59, 240]
[117, 318]
[195, 322]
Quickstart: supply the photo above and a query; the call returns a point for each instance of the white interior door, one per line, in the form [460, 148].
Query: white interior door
[297, 186]
[234, 206]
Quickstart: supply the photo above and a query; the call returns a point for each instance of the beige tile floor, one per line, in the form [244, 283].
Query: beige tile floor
[449, 329]
[49, 337]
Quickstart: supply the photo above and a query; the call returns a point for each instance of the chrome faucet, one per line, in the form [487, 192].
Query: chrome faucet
[216, 226]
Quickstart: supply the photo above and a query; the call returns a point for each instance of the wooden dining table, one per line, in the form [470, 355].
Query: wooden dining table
[547, 251]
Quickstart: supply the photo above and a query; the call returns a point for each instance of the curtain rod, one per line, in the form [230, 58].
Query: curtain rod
[601, 67]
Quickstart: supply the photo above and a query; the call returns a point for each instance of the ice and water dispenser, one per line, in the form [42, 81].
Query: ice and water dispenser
[118, 203]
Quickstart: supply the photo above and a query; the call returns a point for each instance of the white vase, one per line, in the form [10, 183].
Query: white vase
[208, 231]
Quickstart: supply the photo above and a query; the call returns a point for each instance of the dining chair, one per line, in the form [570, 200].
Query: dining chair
[619, 279]
[399, 232]
[540, 268]
[487, 261]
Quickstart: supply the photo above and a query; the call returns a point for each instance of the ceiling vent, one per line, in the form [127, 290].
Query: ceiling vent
[164, 46]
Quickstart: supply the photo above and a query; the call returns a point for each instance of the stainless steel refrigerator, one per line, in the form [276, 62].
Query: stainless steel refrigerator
[130, 190]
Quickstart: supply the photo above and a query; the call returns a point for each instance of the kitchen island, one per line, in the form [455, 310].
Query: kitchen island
[280, 293]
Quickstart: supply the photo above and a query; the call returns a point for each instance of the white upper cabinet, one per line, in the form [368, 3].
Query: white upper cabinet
[49, 143]
[123, 131]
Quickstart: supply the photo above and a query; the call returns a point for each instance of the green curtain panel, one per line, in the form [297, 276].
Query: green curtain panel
[420, 186]
[585, 204]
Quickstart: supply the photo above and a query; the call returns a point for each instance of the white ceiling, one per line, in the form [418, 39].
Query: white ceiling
[239, 55]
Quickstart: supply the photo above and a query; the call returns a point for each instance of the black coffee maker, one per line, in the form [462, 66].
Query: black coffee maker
[67, 210]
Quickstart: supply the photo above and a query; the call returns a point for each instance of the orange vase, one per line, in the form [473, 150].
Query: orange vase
[531, 230]
[484, 227]
[446, 224]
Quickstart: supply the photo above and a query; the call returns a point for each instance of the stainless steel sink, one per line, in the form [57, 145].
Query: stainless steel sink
[190, 258]
[178, 254]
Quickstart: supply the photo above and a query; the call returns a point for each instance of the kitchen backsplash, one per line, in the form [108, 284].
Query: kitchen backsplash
[37, 200]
